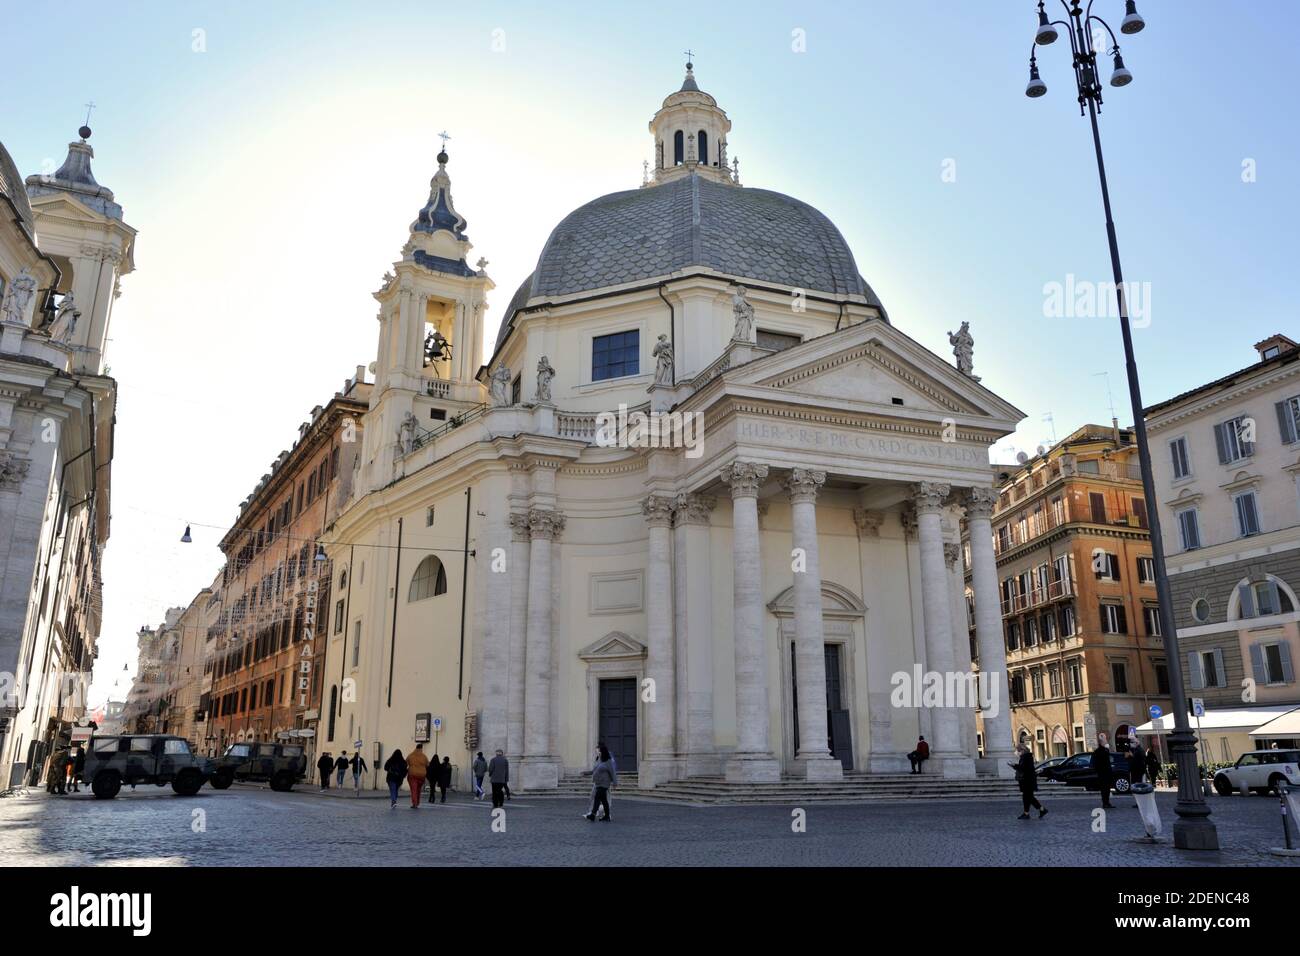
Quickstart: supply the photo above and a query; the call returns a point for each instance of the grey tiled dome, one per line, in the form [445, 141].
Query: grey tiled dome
[644, 234]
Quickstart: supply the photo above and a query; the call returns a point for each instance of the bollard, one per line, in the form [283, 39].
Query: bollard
[1144, 795]
[1288, 805]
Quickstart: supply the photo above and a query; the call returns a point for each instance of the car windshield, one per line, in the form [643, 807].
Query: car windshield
[238, 750]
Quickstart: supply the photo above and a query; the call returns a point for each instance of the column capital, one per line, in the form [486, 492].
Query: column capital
[929, 496]
[868, 522]
[545, 524]
[979, 502]
[658, 511]
[802, 484]
[519, 526]
[694, 509]
[744, 478]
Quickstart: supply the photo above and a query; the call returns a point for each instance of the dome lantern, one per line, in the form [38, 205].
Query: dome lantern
[690, 135]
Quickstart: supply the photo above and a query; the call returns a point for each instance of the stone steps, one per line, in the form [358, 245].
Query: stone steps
[854, 788]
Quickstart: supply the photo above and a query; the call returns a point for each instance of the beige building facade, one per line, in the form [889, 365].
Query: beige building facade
[702, 502]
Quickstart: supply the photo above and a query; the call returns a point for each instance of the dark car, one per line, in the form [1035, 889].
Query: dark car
[282, 765]
[1048, 764]
[1077, 771]
[142, 758]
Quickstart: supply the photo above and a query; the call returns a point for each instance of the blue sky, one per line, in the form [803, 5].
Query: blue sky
[272, 175]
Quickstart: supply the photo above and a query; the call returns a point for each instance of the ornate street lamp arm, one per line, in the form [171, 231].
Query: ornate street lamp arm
[1113, 42]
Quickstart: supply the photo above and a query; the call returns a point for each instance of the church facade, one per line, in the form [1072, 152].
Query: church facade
[703, 502]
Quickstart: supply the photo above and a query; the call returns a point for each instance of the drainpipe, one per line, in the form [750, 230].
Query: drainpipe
[397, 588]
[464, 585]
[672, 327]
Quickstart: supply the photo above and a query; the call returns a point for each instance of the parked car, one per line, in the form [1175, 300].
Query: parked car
[282, 765]
[1077, 771]
[142, 758]
[1048, 764]
[1261, 771]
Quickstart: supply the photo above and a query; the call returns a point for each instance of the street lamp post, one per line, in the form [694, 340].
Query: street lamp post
[1193, 830]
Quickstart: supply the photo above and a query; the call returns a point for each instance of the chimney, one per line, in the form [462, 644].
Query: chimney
[1114, 431]
[1273, 346]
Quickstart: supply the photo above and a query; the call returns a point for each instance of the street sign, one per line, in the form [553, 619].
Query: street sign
[1198, 706]
[1155, 712]
[357, 744]
[437, 724]
[1090, 729]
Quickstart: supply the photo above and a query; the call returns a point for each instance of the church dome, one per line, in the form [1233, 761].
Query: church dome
[692, 221]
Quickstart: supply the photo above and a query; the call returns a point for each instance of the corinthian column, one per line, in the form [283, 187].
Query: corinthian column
[753, 760]
[995, 701]
[813, 758]
[929, 498]
[660, 764]
[540, 768]
[518, 626]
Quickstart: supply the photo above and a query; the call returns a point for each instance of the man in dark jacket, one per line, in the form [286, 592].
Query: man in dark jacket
[1100, 765]
[325, 764]
[358, 765]
[341, 766]
[1153, 765]
[1137, 762]
[1027, 780]
[498, 775]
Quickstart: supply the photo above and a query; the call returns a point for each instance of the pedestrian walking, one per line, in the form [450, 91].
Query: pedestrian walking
[358, 765]
[56, 774]
[603, 778]
[444, 779]
[920, 755]
[1027, 780]
[480, 771]
[395, 773]
[1100, 765]
[417, 767]
[341, 767]
[498, 769]
[1137, 762]
[1153, 765]
[325, 764]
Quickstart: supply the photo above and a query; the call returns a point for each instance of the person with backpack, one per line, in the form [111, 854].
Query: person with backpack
[395, 773]
[479, 771]
[358, 765]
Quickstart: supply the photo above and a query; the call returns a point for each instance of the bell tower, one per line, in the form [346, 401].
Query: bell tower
[690, 135]
[431, 318]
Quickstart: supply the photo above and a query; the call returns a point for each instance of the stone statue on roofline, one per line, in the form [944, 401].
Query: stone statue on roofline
[663, 354]
[963, 349]
[544, 375]
[744, 315]
[65, 320]
[17, 297]
[499, 388]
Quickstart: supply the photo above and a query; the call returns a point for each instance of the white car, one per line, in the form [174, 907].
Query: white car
[1261, 771]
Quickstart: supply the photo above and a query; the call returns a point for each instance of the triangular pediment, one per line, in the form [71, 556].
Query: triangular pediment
[613, 646]
[873, 365]
[65, 206]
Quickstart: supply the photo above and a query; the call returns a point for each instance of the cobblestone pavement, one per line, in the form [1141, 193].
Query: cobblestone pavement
[251, 826]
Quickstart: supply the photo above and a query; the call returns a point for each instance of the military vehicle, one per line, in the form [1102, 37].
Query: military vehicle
[282, 765]
[159, 759]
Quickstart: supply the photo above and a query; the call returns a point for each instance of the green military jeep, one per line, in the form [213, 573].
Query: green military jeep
[282, 765]
[142, 758]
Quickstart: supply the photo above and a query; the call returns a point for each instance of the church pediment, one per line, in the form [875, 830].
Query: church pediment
[875, 365]
[613, 646]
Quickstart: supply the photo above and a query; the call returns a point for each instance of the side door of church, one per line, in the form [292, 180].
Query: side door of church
[617, 726]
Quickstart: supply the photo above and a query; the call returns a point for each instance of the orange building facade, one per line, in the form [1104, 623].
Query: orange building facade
[1079, 607]
[265, 656]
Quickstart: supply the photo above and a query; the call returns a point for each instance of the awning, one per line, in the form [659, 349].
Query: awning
[1241, 719]
[1288, 725]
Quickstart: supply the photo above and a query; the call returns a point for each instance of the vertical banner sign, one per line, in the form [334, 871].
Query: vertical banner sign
[308, 633]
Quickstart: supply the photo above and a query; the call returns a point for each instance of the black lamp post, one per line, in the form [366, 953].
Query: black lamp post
[1193, 830]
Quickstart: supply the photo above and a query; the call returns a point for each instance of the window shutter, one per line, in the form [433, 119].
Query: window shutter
[1219, 672]
[1286, 422]
[1288, 674]
[1257, 664]
[1194, 670]
[1220, 444]
[1173, 455]
[1121, 624]
[1247, 601]
[1113, 561]
[1101, 616]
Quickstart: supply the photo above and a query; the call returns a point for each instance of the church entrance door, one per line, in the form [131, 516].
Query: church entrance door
[618, 721]
[838, 733]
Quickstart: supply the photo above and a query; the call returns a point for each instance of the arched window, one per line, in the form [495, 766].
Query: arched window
[679, 148]
[703, 144]
[430, 580]
[334, 709]
[1260, 598]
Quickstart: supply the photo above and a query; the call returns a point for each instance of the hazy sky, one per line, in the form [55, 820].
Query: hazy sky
[273, 159]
